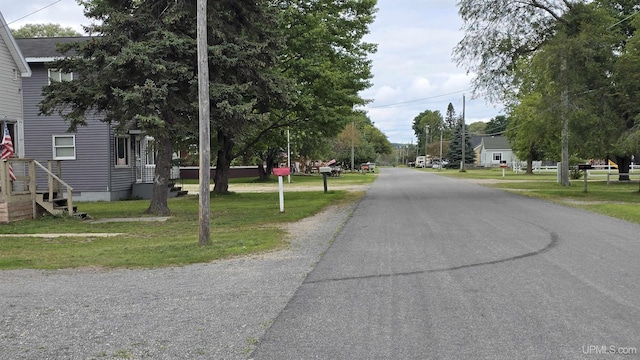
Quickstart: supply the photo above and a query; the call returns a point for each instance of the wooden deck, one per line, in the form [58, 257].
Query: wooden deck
[20, 200]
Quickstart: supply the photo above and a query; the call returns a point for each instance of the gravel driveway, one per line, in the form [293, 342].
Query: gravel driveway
[206, 311]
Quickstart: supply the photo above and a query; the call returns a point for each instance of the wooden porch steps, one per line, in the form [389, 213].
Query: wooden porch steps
[56, 205]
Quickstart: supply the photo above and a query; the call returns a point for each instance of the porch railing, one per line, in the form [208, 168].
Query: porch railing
[25, 182]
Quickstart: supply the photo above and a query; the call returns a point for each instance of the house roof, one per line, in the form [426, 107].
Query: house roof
[14, 50]
[44, 49]
[475, 141]
[495, 143]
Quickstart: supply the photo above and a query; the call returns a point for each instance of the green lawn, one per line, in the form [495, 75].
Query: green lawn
[346, 179]
[241, 224]
[616, 199]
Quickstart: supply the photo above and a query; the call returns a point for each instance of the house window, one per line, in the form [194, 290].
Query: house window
[58, 76]
[151, 151]
[497, 156]
[122, 151]
[64, 147]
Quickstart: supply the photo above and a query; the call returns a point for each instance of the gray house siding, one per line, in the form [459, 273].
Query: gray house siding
[10, 85]
[87, 174]
[13, 68]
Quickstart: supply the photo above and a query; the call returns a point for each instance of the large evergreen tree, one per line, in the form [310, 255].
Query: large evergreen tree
[454, 155]
[246, 85]
[138, 73]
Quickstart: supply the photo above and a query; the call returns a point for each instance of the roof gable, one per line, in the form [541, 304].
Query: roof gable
[495, 143]
[44, 49]
[14, 50]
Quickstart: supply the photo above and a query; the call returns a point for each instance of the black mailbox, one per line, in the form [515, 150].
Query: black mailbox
[584, 166]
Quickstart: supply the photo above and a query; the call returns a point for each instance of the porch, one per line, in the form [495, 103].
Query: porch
[20, 199]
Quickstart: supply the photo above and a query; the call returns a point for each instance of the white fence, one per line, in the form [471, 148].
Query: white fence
[539, 168]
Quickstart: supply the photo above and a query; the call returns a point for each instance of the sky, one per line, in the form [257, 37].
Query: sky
[413, 70]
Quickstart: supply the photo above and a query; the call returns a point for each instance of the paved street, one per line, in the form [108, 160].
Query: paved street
[436, 268]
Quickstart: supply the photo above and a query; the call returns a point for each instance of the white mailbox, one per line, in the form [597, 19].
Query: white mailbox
[325, 169]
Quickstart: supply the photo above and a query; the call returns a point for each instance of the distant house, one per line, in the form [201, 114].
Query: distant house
[492, 150]
[97, 162]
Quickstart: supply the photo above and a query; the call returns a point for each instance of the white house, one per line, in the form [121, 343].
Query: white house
[494, 149]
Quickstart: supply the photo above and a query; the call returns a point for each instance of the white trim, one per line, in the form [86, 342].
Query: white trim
[54, 147]
[14, 50]
[19, 132]
[35, 59]
[60, 73]
[127, 149]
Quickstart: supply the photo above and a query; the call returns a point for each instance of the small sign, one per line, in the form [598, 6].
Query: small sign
[325, 169]
[281, 171]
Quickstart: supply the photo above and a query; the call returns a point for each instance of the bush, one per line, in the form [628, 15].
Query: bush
[575, 173]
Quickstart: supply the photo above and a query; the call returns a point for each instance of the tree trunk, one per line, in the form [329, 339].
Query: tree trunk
[624, 164]
[530, 163]
[262, 175]
[158, 205]
[223, 163]
[270, 164]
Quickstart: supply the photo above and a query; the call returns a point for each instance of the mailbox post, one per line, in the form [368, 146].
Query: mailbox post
[585, 167]
[324, 170]
[503, 165]
[280, 172]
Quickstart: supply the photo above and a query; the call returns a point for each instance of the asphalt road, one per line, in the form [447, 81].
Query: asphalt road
[437, 268]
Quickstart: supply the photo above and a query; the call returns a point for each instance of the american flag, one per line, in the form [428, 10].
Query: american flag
[7, 150]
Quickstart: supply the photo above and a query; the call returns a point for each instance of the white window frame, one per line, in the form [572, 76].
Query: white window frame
[498, 159]
[56, 75]
[55, 147]
[127, 149]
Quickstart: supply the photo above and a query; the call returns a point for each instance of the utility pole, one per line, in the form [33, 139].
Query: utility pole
[204, 125]
[463, 138]
[426, 140]
[289, 155]
[564, 170]
[353, 134]
[440, 168]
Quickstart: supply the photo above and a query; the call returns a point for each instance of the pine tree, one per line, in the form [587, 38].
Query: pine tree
[455, 148]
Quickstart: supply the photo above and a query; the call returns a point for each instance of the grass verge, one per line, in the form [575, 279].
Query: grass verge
[240, 224]
[616, 199]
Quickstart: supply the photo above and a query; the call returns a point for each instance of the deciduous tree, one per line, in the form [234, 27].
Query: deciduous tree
[44, 30]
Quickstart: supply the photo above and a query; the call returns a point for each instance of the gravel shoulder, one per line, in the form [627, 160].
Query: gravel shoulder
[217, 310]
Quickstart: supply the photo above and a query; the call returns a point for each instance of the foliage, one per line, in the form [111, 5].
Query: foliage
[454, 155]
[431, 119]
[137, 74]
[558, 62]
[324, 59]
[478, 128]
[501, 33]
[496, 126]
[44, 30]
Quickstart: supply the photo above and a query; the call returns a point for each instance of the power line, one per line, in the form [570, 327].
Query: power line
[625, 19]
[31, 13]
[410, 102]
